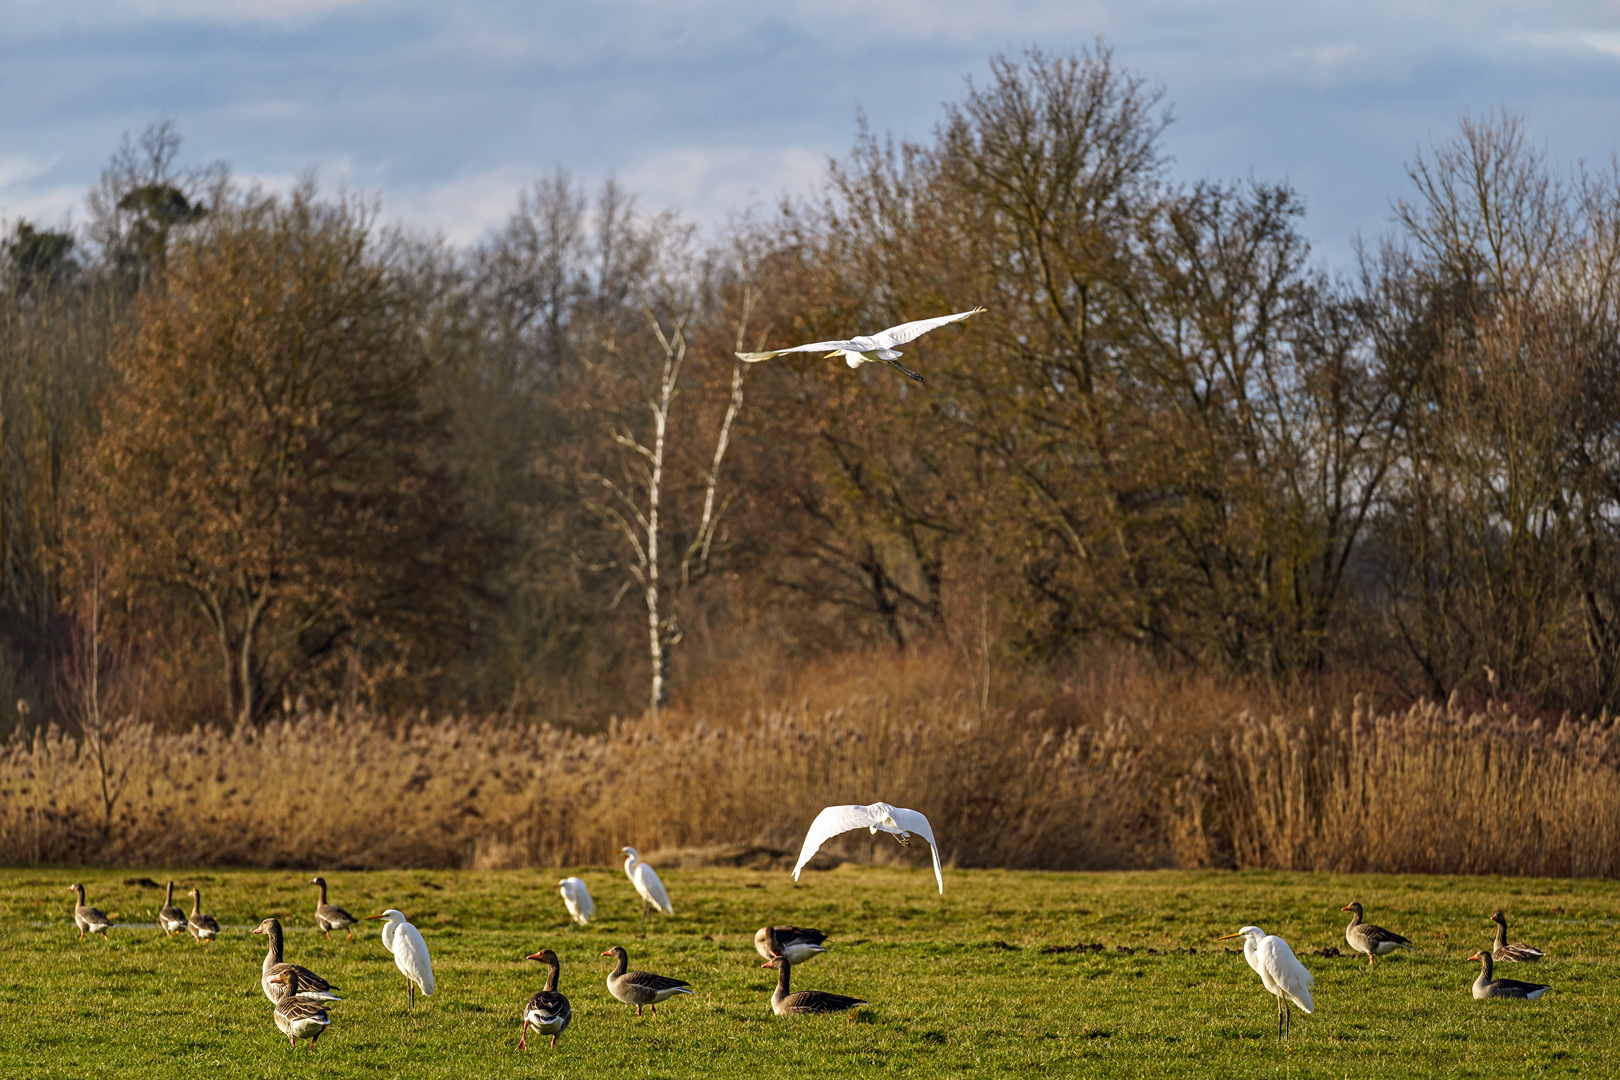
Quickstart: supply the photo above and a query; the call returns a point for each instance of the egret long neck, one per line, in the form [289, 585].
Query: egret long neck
[630, 864]
[551, 976]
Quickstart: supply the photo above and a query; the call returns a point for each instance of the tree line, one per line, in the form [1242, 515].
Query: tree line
[262, 448]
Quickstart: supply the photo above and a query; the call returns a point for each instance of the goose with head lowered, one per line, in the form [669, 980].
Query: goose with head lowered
[1364, 937]
[806, 1002]
[310, 985]
[548, 1011]
[89, 920]
[797, 943]
[296, 1015]
[1487, 987]
[640, 988]
[1516, 952]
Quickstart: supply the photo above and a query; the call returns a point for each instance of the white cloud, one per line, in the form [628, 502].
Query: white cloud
[24, 194]
[461, 209]
[707, 184]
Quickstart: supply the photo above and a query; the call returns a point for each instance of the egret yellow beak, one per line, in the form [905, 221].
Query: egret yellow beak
[1228, 937]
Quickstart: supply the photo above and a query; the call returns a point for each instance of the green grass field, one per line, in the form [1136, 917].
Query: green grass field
[958, 984]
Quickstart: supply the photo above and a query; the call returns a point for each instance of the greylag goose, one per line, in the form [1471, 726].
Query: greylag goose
[1487, 987]
[548, 1011]
[330, 917]
[794, 942]
[203, 927]
[89, 920]
[410, 954]
[876, 817]
[297, 1016]
[1370, 939]
[1501, 950]
[647, 884]
[804, 1002]
[310, 984]
[170, 918]
[640, 988]
[577, 899]
[1280, 971]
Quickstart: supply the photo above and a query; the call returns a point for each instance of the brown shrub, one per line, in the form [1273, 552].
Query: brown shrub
[1192, 781]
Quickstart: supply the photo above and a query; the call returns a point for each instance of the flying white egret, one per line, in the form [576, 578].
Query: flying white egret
[410, 953]
[870, 348]
[577, 898]
[645, 879]
[1279, 970]
[878, 817]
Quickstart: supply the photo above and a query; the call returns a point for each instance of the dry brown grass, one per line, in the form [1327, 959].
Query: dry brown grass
[1115, 768]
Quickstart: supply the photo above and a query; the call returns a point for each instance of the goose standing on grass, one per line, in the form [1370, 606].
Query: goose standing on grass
[171, 920]
[804, 1002]
[640, 988]
[1367, 938]
[876, 817]
[794, 942]
[330, 917]
[1516, 952]
[410, 953]
[89, 920]
[296, 1015]
[203, 927]
[647, 884]
[1280, 971]
[548, 1012]
[310, 985]
[1487, 987]
[577, 899]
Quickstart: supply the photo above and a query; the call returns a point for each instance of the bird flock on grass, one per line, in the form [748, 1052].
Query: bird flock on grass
[300, 997]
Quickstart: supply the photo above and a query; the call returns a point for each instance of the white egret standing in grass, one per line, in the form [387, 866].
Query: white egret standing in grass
[877, 817]
[410, 953]
[1279, 970]
[870, 348]
[645, 879]
[577, 898]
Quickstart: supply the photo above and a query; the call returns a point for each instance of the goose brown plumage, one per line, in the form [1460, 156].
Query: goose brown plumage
[203, 927]
[1369, 939]
[298, 1017]
[640, 988]
[805, 1002]
[310, 984]
[330, 917]
[1487, 987]
[89, 920]
[548, 1011]
[796, 943]
[170, 918]
[1517, 952]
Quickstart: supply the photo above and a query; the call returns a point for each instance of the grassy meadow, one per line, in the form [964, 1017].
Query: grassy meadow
[959, 985]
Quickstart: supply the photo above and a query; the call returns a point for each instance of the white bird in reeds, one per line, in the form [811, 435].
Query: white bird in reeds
[651, 889]
[876, 817]
[577, 899]
[1280, 972]
[870, 348]
[410, 953]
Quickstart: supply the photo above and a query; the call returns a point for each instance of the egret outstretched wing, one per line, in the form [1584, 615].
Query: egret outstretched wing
[814, 346]
[876, 817]
[911, 331]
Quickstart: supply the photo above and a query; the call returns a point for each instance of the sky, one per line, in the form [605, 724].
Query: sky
[447, 110]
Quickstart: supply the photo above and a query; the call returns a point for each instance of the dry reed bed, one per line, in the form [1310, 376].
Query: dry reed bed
[1431, 789]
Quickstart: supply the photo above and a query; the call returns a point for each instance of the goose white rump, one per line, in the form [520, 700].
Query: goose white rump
[878, 817]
